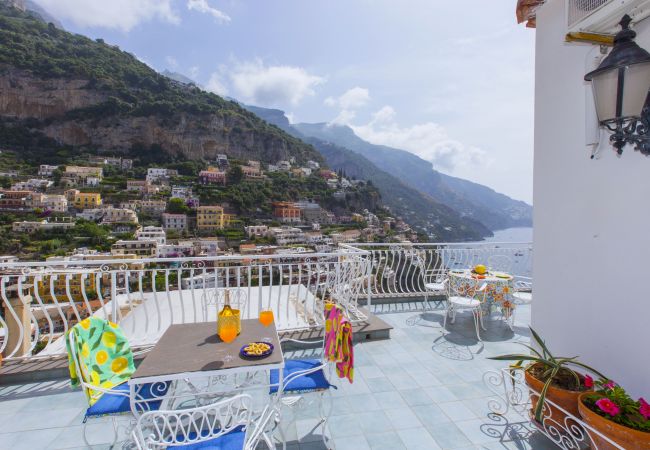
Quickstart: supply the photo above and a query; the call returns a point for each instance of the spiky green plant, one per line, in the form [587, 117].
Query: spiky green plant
[553, 365]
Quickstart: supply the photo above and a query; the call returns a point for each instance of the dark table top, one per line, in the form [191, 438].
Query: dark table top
[195, 349]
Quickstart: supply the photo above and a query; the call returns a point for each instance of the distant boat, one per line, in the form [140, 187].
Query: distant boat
[519, 254]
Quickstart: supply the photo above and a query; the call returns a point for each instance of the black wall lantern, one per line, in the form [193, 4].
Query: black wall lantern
[620, 85]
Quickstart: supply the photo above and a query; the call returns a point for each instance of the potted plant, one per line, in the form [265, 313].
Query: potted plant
[553, 378]
[613, 413]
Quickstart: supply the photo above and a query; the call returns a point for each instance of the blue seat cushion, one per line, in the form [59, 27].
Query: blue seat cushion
[314, 381]
[233, 440]
[117, 404]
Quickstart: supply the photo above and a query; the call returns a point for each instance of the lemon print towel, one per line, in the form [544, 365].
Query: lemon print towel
[103, 355]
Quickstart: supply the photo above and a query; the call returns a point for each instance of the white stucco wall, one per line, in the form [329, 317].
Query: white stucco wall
[591, 222]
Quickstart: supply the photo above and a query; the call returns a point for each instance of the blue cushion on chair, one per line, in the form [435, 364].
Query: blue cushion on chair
[116, 404]
[314, 381]
[234, 440]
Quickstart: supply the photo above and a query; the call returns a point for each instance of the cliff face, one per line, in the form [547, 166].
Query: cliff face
[24, 96]
[86, 94]
[48, 102]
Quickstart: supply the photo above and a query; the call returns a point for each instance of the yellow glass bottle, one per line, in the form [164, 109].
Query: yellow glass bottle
[228, 318]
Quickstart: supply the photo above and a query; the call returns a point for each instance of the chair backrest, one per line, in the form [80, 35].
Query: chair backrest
[162, 429]
[466, 287]
[502, 263]
[82, 370]
[346, 280]
[523, 284]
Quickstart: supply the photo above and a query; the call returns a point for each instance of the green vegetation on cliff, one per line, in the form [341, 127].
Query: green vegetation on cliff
[128, 87]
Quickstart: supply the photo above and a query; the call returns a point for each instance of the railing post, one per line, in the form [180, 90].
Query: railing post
[368, 287]
[114, 306]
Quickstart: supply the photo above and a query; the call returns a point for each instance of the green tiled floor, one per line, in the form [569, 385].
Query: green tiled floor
[422, 389]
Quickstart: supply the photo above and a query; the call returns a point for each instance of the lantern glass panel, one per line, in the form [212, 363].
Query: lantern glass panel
[637, 83]
[605, 87]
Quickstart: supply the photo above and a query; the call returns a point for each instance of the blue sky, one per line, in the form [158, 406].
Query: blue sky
[452, 82]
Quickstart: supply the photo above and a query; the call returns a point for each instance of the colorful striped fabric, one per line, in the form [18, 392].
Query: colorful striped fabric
[338, 341]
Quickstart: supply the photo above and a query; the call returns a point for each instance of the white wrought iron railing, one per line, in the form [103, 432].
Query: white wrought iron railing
[400, 270]
[513, 397]
[578, 10]
[42, 300]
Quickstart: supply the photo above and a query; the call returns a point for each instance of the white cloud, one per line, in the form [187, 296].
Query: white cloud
[351, 99]
[115, 14]
[348, 102]
[216, 85]
[263, 85]
[193, 72]
[344, 117]
[202, 6]
[171, 62]
[428, 140]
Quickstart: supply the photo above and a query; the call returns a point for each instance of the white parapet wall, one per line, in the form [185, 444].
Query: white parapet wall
[591, 220]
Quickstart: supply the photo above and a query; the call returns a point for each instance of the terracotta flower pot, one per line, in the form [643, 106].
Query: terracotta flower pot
[627, 438]
[568, 400]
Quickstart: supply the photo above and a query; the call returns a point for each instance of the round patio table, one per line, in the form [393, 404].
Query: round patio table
[498, 290]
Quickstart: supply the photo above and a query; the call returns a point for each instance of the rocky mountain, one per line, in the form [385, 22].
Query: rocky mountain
[178, 77]
[62, 94]
[495, 210]
[417, 208]
[86, 94]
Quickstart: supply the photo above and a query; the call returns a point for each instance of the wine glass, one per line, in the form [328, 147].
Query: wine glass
[266, 317]
[228, 332]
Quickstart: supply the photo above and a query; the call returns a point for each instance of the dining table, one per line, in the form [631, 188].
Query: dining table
[190, 362]
[498, 288]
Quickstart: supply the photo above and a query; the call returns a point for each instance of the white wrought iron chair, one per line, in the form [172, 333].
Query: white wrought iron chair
[116, 401]
[434, 281]
[500, 263]
[522, 291]
[464, 298]
[302, 376]
[225, 424]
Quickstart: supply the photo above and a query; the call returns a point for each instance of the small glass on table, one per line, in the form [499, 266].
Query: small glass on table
[266, 319]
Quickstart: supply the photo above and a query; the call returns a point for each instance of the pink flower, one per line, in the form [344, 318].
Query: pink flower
[589, 382]
[644, 409]
[609, 385]
[608, 406]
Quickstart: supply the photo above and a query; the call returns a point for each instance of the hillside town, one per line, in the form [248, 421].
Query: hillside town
[161, 215]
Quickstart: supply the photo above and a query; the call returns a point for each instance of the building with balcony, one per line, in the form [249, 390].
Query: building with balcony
[157, 174]
[14, 200]
[141, 186]
[82, 175]
[212, 176]
[33, 184]
[49, 202]
[212, 218]
[117, 162]
[84, 200]
[46, 170]
[112, 215]
[27, 226]
[252, 170]
[253, 231]
[143, 249]
[287, 235]
[176, 222]
[153, 207]
[177, 250]
[286, 212]
[151, 234]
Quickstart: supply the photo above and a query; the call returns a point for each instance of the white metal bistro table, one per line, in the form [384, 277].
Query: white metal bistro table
[189, 354]
[498, 290]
